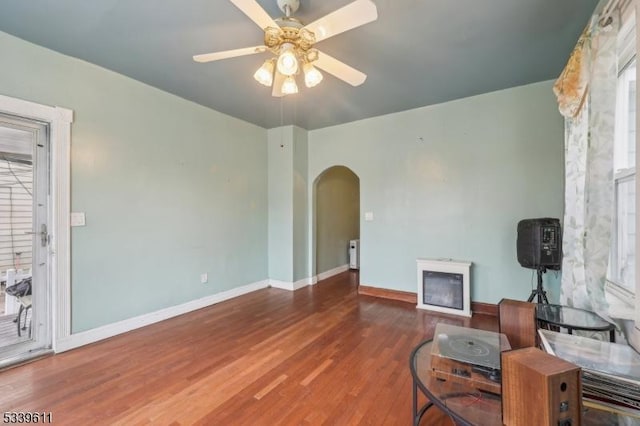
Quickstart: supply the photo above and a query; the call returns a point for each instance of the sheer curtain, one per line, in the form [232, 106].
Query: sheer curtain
[586, 92]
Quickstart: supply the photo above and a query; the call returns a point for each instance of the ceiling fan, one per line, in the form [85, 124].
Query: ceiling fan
[292, 43]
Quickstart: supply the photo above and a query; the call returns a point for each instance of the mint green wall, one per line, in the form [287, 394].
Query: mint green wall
[337, 216]
[170, 189]
[288, 204]
[280, 148]
[300, 204]
[485, 162]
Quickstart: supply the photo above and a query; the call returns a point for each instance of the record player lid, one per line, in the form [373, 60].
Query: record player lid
[469, 345]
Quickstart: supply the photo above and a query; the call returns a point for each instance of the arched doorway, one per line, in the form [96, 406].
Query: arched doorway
[336, 212]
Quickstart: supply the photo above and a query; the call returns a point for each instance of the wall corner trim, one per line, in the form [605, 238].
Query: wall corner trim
[285, 285]
[331, 272]
[90, 336]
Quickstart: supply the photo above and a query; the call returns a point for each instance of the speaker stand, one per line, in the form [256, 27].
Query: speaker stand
[539, 291]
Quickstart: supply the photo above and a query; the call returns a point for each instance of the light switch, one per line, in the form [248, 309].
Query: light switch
[77, 219]
[368, 216]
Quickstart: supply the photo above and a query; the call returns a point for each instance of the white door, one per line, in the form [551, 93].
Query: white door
[25, 319]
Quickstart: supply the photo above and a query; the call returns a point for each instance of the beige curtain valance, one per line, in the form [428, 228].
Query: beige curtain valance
[572, 85]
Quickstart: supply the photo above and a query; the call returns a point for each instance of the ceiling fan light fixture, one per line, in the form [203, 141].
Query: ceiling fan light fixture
[287, 61]
[264, 74]
[312, 77]
[292, 44]
[289, 86]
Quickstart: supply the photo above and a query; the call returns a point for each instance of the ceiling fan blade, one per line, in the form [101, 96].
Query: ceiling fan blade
[208, 57]
[340, 69]
[278, 79]
[353, 15]
[255, 12]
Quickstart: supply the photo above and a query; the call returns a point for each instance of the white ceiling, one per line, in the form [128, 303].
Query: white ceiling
[418, 52]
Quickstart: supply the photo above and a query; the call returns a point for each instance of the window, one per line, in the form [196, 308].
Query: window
[623, 238]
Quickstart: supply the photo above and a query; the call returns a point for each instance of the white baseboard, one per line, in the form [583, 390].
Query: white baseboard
[331, 272]
[110, 330]
[285, 285]
[301, 283]
[293, 286]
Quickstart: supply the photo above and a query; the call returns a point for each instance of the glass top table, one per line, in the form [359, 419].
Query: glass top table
[466, 405]
[574, 319]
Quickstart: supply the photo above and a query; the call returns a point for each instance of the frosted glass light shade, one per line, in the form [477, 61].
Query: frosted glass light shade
[312, 77]
[289, 86]
[264, 75]
[287, 62]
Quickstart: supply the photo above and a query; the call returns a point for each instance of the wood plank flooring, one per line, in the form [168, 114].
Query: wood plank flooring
[320, 355]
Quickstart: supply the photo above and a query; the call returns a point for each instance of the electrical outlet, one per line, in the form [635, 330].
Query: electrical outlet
[204, 278]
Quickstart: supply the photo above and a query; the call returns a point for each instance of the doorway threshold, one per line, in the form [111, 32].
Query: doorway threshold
[24, 358]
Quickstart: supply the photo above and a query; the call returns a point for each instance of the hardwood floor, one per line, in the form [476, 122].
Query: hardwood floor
[320, 355]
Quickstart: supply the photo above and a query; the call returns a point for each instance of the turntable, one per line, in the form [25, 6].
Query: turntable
[468, 356]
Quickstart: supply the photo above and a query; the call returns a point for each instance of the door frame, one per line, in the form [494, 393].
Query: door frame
[59, 120]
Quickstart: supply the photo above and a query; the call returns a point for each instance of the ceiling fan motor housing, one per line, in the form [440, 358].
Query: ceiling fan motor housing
[291, 32]
[291, 5]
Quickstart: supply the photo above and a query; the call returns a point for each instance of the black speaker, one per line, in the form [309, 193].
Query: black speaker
[539, 243]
